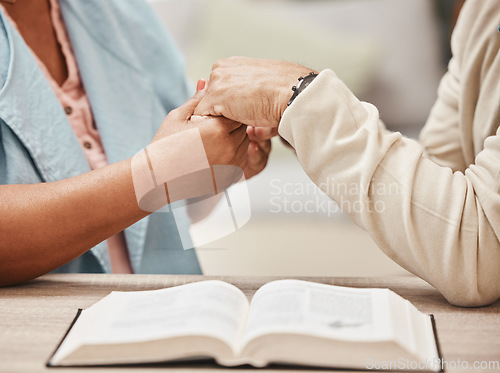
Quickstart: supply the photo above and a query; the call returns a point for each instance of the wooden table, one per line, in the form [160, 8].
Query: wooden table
[34, 317]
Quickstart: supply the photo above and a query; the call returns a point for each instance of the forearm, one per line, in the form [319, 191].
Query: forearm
[43, 226]
[435, 223]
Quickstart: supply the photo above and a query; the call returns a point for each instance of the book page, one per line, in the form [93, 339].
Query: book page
[207, 308]
[82, 326]
[413, 329]
[300, 307]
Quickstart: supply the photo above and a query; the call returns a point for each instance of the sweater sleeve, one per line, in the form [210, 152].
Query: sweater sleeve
[440, 136]
[443, 226]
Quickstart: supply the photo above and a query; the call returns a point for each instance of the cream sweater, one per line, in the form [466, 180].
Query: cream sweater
[433, 206]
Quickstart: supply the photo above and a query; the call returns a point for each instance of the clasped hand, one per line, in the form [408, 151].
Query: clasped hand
[250, 90]
[239, 111]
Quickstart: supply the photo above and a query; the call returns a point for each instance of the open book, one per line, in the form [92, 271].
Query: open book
[287, 322]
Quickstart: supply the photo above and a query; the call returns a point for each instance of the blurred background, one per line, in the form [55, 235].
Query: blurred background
[391, 53]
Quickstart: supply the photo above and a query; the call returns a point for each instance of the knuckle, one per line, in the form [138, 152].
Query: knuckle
[172, 115]
[215, 75]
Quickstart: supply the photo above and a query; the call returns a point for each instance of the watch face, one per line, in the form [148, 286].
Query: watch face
[306, 81]
[303, 83]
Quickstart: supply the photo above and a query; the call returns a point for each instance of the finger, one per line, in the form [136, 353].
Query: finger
[258, 152]
[201, 85]
[185, 111]
[255, 155]
[256, 161]
[265, 133]
[208, 120]
[206, 106]
[261, 138]
[265, 146]
[251, 133]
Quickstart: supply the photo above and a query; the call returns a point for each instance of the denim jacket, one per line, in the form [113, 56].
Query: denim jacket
[133, 76]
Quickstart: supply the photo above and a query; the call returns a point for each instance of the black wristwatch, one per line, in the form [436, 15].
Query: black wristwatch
[303, 83]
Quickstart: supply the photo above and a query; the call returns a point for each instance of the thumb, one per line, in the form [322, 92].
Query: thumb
[206, 106]
[186, 110]
[265, 133]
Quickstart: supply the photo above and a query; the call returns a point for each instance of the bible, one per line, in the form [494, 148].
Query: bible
[287, 322]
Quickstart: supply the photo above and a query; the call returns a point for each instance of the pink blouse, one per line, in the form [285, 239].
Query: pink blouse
[74, 100]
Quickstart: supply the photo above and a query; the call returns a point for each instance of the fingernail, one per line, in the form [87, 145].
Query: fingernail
[202, 83]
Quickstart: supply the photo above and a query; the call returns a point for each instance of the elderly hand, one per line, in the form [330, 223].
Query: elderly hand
[250, 91]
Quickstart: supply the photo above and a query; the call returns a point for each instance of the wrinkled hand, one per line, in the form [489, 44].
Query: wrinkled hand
[249, 90]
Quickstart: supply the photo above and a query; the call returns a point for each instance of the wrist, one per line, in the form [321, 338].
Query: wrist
[164, 173]
[296, 83]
